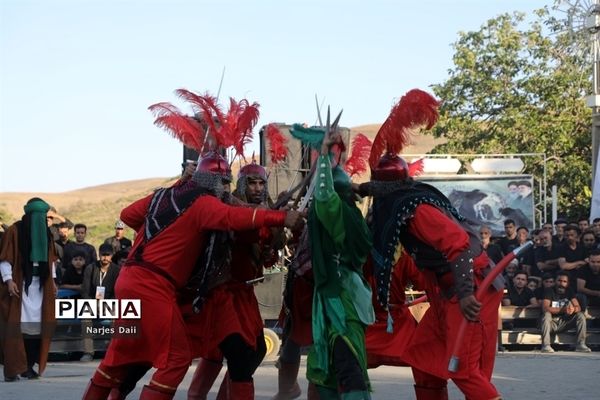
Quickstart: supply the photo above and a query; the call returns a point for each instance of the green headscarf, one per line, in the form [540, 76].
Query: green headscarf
[37, 210]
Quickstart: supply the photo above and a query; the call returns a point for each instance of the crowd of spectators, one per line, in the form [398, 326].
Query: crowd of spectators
[560, 274]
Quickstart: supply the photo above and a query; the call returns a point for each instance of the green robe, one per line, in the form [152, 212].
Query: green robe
[340, 242]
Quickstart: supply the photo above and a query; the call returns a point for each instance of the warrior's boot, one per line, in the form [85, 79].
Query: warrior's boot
[204, 377]
[288, 382]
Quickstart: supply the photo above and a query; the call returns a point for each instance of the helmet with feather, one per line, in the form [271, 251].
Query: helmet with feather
[415, 110]
[210, 131]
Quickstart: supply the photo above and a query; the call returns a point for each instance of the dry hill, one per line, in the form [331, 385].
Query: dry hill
[99, 206]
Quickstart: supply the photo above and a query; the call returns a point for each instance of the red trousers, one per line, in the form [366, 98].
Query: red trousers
[435, 336]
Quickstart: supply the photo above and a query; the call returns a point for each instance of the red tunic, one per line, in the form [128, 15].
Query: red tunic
[431, 345]
[385, 348]
[231, 307]
[175, 250]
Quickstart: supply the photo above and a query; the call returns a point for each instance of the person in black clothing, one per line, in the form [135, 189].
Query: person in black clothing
[588, 240]
[118, 241]
[99, 281]
[588, 281]
[493, 250]
[73, 276]
[81, 245]
[572, 255]
[547, 283]
[561, 310]
[546, 255]
[509, 242]
[518, 293]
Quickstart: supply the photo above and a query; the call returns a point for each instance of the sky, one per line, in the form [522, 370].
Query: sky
[77, 77]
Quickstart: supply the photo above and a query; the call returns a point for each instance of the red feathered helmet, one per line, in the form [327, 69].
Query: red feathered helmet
[254, 170]
[214, 163]
[390, 167]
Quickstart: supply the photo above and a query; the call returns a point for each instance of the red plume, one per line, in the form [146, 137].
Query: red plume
[416, 168]
[183, 127]
[357, 162]
[231, 129]
[416, 109]
[277, 144]
[209, 109]
[236, 128]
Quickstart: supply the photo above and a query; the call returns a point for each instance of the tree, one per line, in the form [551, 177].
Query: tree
[520, 87]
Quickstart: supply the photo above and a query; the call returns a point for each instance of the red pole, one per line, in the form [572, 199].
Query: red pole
[497, 270]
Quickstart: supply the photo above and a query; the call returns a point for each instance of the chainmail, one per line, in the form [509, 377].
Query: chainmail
[211, 181]
[242, 185]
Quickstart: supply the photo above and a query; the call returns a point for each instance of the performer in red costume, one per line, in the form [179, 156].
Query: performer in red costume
[175, 227]
[229, 323]
[392, 331]
[448, 251]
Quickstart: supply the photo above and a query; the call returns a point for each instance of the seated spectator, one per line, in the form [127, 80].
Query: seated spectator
[526, 258]
[509, 272]
[596, 229]
[493, 250]
[571, 254]
[588, 282]
[588, 240]
[559, 226]
[73, 276]
[519, 294]
[546, 255]
[561, 311]
[533, 284]
[547, 283]
[583, 223]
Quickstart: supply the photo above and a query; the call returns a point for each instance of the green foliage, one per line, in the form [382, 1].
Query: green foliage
[519, 86]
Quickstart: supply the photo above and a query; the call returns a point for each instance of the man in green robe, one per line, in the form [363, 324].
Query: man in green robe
[340, 242]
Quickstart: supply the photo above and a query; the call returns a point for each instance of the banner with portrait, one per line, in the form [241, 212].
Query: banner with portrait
[489, 199]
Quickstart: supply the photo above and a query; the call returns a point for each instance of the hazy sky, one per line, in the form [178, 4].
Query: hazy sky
[76, 77]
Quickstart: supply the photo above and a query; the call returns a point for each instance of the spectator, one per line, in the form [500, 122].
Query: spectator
[509, 242]
[588, 282]
[80, 244]
[519, 294]
[546, 256]
[63, 238]
[596, 229]
[533, 284]
[99, 281]
[559, 226]
[561, 311]
[526, 259]
[583, 224]
[119, 241]
[588, 240]
[509, 272]
[571, 253]
[120, 257]
[73, 277]
[547, 226]
[547, 283]
[493, 250]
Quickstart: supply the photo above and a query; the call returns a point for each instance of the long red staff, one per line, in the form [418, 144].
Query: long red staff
[454, 359]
